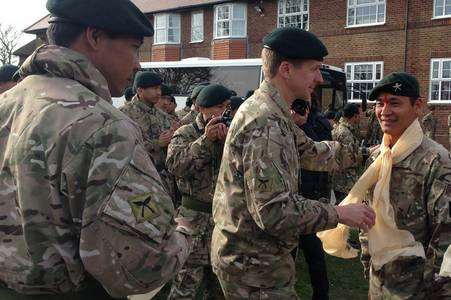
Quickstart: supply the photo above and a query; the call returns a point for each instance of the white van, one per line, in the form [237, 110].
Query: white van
[240, 75]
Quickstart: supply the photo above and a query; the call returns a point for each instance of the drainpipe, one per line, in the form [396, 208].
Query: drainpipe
[406, 35]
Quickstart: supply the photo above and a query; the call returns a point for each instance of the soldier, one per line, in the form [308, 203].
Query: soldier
[257, 209]
[373, 131]
[7, 77]
[191, 116]
[166, 103]
[194, 157]
[345, 134]
[83, 211]
[429, 122]
[154, 123]
[419, 199]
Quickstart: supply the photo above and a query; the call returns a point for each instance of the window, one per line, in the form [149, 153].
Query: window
[197, 27]
[442, 8]
[167, 29]
[293, 13]
[230, 20]
[361, 78]
[366, 12]
[440, 89]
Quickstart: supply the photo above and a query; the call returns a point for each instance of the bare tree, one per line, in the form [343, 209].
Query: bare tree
[9, 38]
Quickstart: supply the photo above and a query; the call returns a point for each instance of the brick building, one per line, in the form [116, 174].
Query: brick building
[367, 38]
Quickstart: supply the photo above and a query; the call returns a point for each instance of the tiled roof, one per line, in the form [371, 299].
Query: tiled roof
[147, 6]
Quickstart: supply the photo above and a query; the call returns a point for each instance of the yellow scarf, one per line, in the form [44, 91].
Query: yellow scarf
[385, 241]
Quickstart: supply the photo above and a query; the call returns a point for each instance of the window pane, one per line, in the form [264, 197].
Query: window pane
[438, 11]
[435, 66]
[435, 86]
[223, 12]
[448, 7]
[238, 28]
[160, 21]
[238, 11]
[378, 71]
[446, 69]
[174, 21]
[348, 72]
[160, 36]
[446, 90]
[351, 16]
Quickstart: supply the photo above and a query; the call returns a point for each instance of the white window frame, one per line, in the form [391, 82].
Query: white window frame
[230, 20]
[439, 79]
[166, 29]
[441, 16]
[301, 13]
[354, 6]
[352, 80]
[201, 26]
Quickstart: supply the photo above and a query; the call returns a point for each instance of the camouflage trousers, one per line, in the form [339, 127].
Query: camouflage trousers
[197, 269]
[401, 279]
[235, 291]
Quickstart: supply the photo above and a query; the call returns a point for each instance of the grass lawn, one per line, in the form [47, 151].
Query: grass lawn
[345, 279]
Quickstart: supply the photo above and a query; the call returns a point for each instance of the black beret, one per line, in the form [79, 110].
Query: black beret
[196, 92]
[117, 16]
[129, 93]
[212, 95]
[146, 79]
[235, 102]
[295, 43]
[350, 110]
[165, 90]
[7, 73]
[398, 84]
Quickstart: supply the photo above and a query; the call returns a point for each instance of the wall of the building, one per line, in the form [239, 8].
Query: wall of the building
[400, 46]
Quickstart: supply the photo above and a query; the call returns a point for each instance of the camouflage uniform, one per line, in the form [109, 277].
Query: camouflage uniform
[257, 209]
[195, 161]
[420, 198]
[429, 125]
[344, 180]
[374, 132]
[152, 122]
[183, 112]
[189, 117]
[79, 195]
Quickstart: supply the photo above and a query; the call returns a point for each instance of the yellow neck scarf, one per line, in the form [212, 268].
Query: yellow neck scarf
[385, 241]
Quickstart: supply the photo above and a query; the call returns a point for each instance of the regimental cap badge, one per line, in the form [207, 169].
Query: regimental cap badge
[397, 86]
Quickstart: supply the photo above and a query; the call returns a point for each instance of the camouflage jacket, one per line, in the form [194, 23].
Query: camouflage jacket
[429, 125]
[257, 209]
[194, 160]
[189, 117]
[374, 132]
[344, 180]
[421, 201]
[183, 112]
[152, 122]
[79, 194]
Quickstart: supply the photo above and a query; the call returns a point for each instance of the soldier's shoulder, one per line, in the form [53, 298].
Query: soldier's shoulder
[435, 150]
[185, 130]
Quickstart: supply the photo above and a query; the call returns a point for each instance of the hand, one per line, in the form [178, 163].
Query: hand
[215, 130]
[356, 215]
[165, 137]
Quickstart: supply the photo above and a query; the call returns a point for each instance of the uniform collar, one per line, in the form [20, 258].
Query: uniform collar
[200, 122]
[63, 62]
[274, 94]
[142, 105]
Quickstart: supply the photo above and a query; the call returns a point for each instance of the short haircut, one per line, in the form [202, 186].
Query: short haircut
[350, 110]
[64, 34]
[272, 60]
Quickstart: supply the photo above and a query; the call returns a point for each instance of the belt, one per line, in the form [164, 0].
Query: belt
[196, 205]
